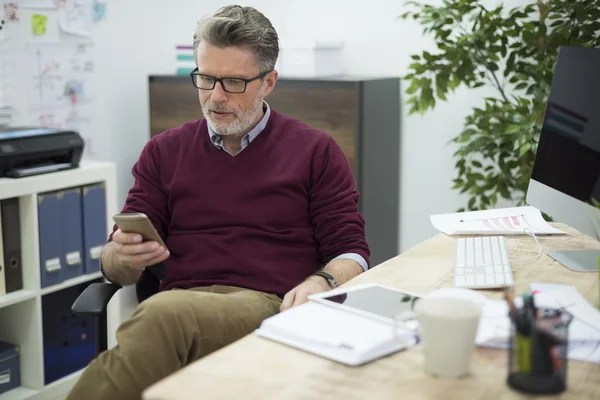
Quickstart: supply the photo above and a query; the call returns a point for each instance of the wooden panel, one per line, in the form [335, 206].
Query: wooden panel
[331, 110]
[173, 101]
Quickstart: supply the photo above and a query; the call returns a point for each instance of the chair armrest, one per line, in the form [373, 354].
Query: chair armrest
[94, 299]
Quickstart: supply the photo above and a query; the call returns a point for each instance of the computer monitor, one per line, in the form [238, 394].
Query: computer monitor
[566, 170]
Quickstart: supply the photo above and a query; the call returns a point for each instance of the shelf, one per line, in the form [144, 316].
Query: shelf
[71, 282]
[57, 389]
[88, 172]
[52, 391]
[14, 298]
[19, 393]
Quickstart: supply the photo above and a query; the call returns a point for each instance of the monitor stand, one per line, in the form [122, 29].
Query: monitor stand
[577, 260]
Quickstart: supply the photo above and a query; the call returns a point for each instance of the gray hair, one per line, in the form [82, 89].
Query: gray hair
[237, 26]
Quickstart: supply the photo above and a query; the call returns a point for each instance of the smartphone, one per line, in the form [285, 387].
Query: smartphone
[138, 223]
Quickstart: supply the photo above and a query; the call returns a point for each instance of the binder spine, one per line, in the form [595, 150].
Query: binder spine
[2, 268]
[11, 235]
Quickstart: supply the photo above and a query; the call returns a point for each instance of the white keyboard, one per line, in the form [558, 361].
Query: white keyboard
[482, 262]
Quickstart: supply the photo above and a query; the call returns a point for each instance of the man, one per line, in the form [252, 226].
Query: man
[257, 212]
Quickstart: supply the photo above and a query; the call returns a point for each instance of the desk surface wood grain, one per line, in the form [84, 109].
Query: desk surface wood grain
[254, 367]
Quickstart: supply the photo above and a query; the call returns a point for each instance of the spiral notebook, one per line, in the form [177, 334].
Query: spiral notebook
[334, 334]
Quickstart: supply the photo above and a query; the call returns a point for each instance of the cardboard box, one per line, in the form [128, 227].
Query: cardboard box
[10, 370]
[311, 59]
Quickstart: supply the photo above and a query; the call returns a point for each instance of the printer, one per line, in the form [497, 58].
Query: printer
[26, 151]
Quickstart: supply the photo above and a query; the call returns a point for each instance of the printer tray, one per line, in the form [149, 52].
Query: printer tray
[37, 170]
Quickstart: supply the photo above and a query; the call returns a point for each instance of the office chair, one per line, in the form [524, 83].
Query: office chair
[93, 301]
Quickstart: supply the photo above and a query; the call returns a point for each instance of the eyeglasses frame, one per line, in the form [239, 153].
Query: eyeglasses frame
[220, 80]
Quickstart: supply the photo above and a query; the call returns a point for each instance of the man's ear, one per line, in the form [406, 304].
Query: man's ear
[269, 81]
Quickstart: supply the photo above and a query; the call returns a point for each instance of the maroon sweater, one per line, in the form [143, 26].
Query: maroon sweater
[264, 219]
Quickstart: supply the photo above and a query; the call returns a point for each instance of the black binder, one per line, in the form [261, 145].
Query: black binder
[11, 237]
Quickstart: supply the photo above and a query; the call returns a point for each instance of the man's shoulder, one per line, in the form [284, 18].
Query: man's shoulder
[297, 130]
[178, 135]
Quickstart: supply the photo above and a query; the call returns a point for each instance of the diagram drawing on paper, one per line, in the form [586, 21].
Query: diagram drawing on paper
[514, 220]
[59, 76]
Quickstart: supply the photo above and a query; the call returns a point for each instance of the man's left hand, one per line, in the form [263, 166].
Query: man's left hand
[299, 294]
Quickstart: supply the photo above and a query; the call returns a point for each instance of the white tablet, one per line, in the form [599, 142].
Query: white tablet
[372, 300]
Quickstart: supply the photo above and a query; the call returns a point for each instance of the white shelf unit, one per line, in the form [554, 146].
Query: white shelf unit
[21, 311]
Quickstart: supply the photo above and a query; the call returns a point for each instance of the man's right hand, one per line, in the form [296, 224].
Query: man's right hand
[129, 251]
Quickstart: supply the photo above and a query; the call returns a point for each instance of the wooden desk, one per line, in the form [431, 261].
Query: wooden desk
[255, 368]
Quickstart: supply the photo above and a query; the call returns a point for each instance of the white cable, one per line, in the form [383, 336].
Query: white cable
[561, 238]
[539, 248]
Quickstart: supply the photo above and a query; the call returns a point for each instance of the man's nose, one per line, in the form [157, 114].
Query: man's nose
[218, 94]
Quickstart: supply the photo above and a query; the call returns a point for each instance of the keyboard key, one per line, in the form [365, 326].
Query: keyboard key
[469, 256]
[459, 281]
[503, 251]
[460, 252]
[489, 270]
[508, 278]
[459, 271]
[487, 251]
[480, 279]
[498, 269]
[478, 247]
[470, 279]
[496, 258]
[499, 279]
[489, 279]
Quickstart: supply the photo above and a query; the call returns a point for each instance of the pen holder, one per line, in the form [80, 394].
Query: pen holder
[537, 362]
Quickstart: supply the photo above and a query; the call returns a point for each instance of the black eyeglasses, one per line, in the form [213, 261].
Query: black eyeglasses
[231, 85]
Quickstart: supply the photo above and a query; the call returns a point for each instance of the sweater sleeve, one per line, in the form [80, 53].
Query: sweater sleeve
[147, 194]
[339, 226]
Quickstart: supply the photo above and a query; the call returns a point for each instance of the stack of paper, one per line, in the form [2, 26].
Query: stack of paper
[503, 221]
[335, 334]
[584, 330]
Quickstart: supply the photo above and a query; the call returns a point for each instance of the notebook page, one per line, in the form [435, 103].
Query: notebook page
[315, 323]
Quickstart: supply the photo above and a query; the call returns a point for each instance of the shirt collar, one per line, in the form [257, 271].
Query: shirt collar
[250, 136]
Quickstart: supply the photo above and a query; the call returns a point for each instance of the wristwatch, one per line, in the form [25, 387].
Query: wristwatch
[329, 278]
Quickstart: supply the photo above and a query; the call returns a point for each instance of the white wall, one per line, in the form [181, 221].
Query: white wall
[139, 36]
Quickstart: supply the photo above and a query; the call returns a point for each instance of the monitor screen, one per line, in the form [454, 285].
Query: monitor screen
[568, 155]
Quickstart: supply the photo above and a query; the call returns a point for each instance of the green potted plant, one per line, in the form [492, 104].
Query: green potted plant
[513, 52]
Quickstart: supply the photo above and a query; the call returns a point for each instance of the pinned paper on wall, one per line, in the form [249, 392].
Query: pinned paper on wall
[76, 19]
[59, 76]
[11, 11]
[44, 28]
[98, 11]
[39, 4]
[38, 24]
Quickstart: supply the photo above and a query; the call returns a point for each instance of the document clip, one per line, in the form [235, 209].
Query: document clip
[73, 258]
[95, 252]
[53, 264]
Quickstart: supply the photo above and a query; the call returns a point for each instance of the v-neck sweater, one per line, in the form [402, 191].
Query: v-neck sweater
[264, 219]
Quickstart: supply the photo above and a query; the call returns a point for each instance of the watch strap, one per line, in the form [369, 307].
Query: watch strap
[329, 278]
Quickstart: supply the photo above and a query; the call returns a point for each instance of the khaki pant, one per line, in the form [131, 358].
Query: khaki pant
[168, 331]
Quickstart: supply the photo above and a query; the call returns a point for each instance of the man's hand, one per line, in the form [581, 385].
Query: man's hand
[299, 294]
[124, 258]
[132, 253]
